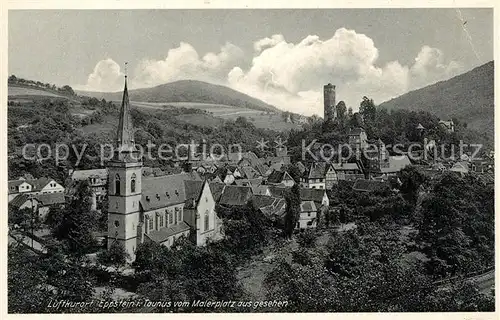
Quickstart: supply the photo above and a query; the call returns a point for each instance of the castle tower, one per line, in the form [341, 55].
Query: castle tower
[329, 102]
[124, 180]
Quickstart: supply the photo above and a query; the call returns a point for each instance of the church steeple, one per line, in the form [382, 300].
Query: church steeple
[125, 135]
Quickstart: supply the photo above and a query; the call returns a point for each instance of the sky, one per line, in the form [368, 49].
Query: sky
[283, 56]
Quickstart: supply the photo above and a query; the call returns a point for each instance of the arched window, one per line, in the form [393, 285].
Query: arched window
[117, 184]
[132, 184]
[206, 221]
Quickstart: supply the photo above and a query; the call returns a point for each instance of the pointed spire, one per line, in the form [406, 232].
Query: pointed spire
[125, 136]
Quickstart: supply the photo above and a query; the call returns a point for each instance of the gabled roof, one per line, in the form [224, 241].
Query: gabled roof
[278, 191]
[346, 166]
[45, 199]
[90, 173]
[276, 176]
[260, 189]
[312, 194]
[14, 184]
[48, 199]
[369, 185]
[271, 207]
[164, 191]
[249, 172]
[307, 206]
[235, 195]
[19, 200]
[460, 166]
[39, 184]
[317, 170]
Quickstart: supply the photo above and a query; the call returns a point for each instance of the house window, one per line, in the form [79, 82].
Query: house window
[150, 223]
[206, 221]
[308, 214]
[132, 183]
[117, 184]
[162, 220]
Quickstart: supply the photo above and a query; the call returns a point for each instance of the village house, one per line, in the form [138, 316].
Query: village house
[235, 196]
[344, 171]
[280, 178]
[33, 187]
[40, 203]
[314, 178]
[273, 208]
[307, 216]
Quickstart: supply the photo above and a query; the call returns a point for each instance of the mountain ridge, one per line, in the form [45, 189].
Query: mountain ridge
[468, 97]
[188, 91]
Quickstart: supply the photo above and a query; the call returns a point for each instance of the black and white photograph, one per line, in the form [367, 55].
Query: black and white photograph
[250, 160]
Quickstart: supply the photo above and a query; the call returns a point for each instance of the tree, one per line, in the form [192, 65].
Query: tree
[116, 255]
[367, 109]
[411, 180]
[292, 198]
[74, 224]
[68, 90]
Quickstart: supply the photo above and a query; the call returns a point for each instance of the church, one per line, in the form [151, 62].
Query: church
[158, 209]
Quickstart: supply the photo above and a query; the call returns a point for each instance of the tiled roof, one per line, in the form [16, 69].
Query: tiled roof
[13, 184]
[270, 206]
[260, 189]
[164, 191]
[48, 199]
[249, 172]
[307, 206]
[315, 195]
[277, 191]
[346, 166]
[91, 173]
[276, 177]
[193, 189]
[235, 195]
[19, 200]
[369, 185]
[317, 170]
[217, 189]
[163, 234]
[38, 184]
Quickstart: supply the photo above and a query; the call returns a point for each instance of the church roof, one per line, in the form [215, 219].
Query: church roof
[125, 135]
[163, 191]
[163, 234]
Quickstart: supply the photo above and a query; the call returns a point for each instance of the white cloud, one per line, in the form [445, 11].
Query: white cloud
[105, 77]
[430, 67]
[291, 76]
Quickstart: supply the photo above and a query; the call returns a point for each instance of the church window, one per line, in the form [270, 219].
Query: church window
[150, 223]
[206, 221]
[170, 218]
[117, 223]
[117, 184]
[132, 184]
[162, 220]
